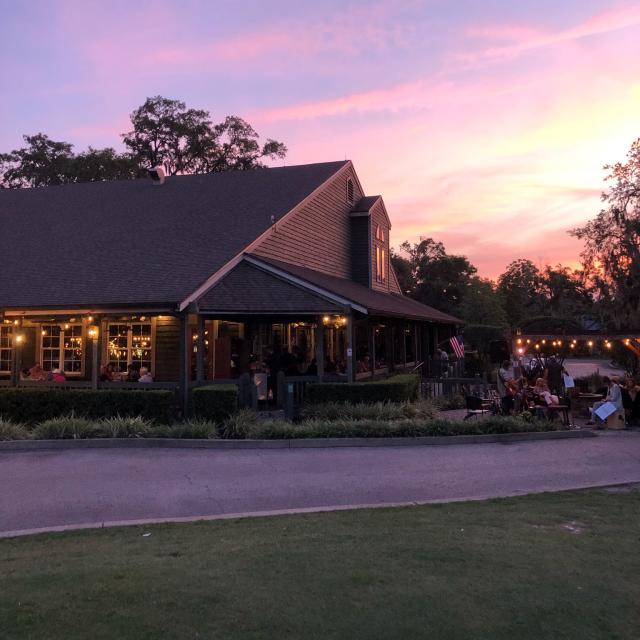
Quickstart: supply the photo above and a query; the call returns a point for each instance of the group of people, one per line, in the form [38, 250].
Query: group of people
[109, 373]
[624, 395]
[38, 374]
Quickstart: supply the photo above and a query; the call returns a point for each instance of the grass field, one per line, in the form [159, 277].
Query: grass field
[551, 566]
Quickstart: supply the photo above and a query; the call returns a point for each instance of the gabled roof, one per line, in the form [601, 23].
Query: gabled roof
[375, 302]
[364, 204]
[249, 289]
[132, 242]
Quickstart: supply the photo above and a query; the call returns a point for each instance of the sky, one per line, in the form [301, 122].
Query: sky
[484, 124]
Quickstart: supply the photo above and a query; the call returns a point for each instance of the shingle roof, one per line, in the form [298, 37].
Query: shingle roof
[376, 302]
[132, 242]
[251, 290]
[365, 203]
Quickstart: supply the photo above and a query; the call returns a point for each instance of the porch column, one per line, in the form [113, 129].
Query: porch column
[200, 349]
[184, 363]
[403, 329]
[372, 336]
[319, 333]
[95, 356]
[350, 348]
[416, 355]
[389, 333]
[17, 341]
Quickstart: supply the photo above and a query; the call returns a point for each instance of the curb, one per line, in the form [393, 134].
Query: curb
[301, 443]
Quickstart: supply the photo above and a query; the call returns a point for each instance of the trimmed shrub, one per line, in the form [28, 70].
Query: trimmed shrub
[12, 431]
[69, 427]
[192, 429]
[363, 411]
[273, 430]
[401, 388]
[447, 403]
[215, 402]
[32, 405]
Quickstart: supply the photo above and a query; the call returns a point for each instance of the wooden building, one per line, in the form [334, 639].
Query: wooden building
[206, 277]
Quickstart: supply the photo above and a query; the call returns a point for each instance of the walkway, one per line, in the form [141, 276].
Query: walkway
[54, 488]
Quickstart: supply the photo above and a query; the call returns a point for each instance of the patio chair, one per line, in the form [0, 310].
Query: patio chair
[476, 406]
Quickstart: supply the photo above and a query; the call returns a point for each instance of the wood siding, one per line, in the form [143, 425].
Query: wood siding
[360, 250]
[167, 355]
[378, 217]
[318, 236]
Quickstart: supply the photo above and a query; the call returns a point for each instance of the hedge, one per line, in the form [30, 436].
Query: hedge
[214, 402]
[36, 405]
[401, 388]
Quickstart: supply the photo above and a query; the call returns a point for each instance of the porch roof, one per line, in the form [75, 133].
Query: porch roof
[375, 302]
[249, 289]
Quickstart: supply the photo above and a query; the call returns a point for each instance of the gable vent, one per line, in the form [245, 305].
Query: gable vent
[350, 191]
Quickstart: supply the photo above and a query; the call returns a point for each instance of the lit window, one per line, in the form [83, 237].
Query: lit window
[379, 233]
[6, 348]
[381, 268]
[130, 344]
[350, 194]
[61, 348]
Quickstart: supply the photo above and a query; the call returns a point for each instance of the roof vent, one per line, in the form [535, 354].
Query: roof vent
[157, 174]
[350, 195]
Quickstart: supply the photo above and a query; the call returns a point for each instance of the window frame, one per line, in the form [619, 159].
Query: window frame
[7, 330]
[152, 347]
[61, 347]
[350, 192]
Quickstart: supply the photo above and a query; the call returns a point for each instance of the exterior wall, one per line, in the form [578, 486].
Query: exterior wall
[167, 352]
[360, 250]
[378, 217]
[318, 236]
[394, 285]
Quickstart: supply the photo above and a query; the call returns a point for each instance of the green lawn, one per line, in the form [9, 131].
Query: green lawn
[551, 566]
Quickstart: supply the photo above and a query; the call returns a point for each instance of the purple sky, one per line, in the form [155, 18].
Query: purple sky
[484, 123]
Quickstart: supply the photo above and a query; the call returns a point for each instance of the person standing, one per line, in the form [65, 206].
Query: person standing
[505, 375]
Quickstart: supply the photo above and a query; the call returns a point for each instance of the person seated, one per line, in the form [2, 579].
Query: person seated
[614, 395]
[107, 373]
[631, 400]
[544, 396]
[133, 373]
[24, 374]
[57, 375]
[37, 373]
[145, 376]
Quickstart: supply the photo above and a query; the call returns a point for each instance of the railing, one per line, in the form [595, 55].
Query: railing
[433, 387]
[50, 384]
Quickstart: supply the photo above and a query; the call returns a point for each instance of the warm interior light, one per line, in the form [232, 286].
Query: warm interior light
[590, 343]
[325, 319]
[19, 338]
[93, 332]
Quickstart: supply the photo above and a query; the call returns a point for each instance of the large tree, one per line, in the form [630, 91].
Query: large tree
[611, 255]
[519, 286]
[166, 132]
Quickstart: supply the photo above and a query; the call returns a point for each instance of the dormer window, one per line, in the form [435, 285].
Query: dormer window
[379, 233]
[350, 196]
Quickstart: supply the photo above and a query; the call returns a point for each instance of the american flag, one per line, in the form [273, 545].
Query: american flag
[457, 345]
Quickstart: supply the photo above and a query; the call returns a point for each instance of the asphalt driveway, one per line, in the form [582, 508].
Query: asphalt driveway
[78, 487]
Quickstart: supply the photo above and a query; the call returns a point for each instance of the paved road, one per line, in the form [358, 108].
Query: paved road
[54, 488]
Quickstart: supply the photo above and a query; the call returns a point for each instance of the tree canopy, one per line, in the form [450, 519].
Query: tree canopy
[164, 132]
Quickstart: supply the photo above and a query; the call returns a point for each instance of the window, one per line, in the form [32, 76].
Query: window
[381, 265]
[130, 343]
[61, 347]
[350, 195]
[6, 348]
[379, 233]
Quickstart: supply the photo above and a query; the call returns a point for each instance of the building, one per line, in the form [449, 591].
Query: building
[206, 277]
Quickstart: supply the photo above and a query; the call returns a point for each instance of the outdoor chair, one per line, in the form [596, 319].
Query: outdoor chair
[476, 406]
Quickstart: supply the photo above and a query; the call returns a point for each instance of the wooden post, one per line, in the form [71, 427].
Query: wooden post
[373, 349]
[17, 339]
[403, 329]
[350, 348]
[184, 363]
[390, 345]
[416, 358]
[320, 347]
[95, 362]
[200, 349]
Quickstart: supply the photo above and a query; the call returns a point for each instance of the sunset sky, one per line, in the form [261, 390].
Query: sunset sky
[483, 123]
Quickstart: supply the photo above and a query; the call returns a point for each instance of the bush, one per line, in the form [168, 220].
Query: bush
[214, 402]
[363, 411]
[12, 431]
[191, 429]
[447, 403]
[32, 405]
[239, 425]
[272, 430]
[401, 388]
[68, 427]
[123, 427]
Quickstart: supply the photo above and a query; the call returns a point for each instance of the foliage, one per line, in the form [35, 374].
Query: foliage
[65, 428]
[165, 132]
[239, 425]
[611, 256]
[401, 388]
[31, 405]
[519, 287]
[214, 402]
[189, 429]
[449, 403]
[363, 411]
[12, 430]
[44, 162]
[123, 427]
